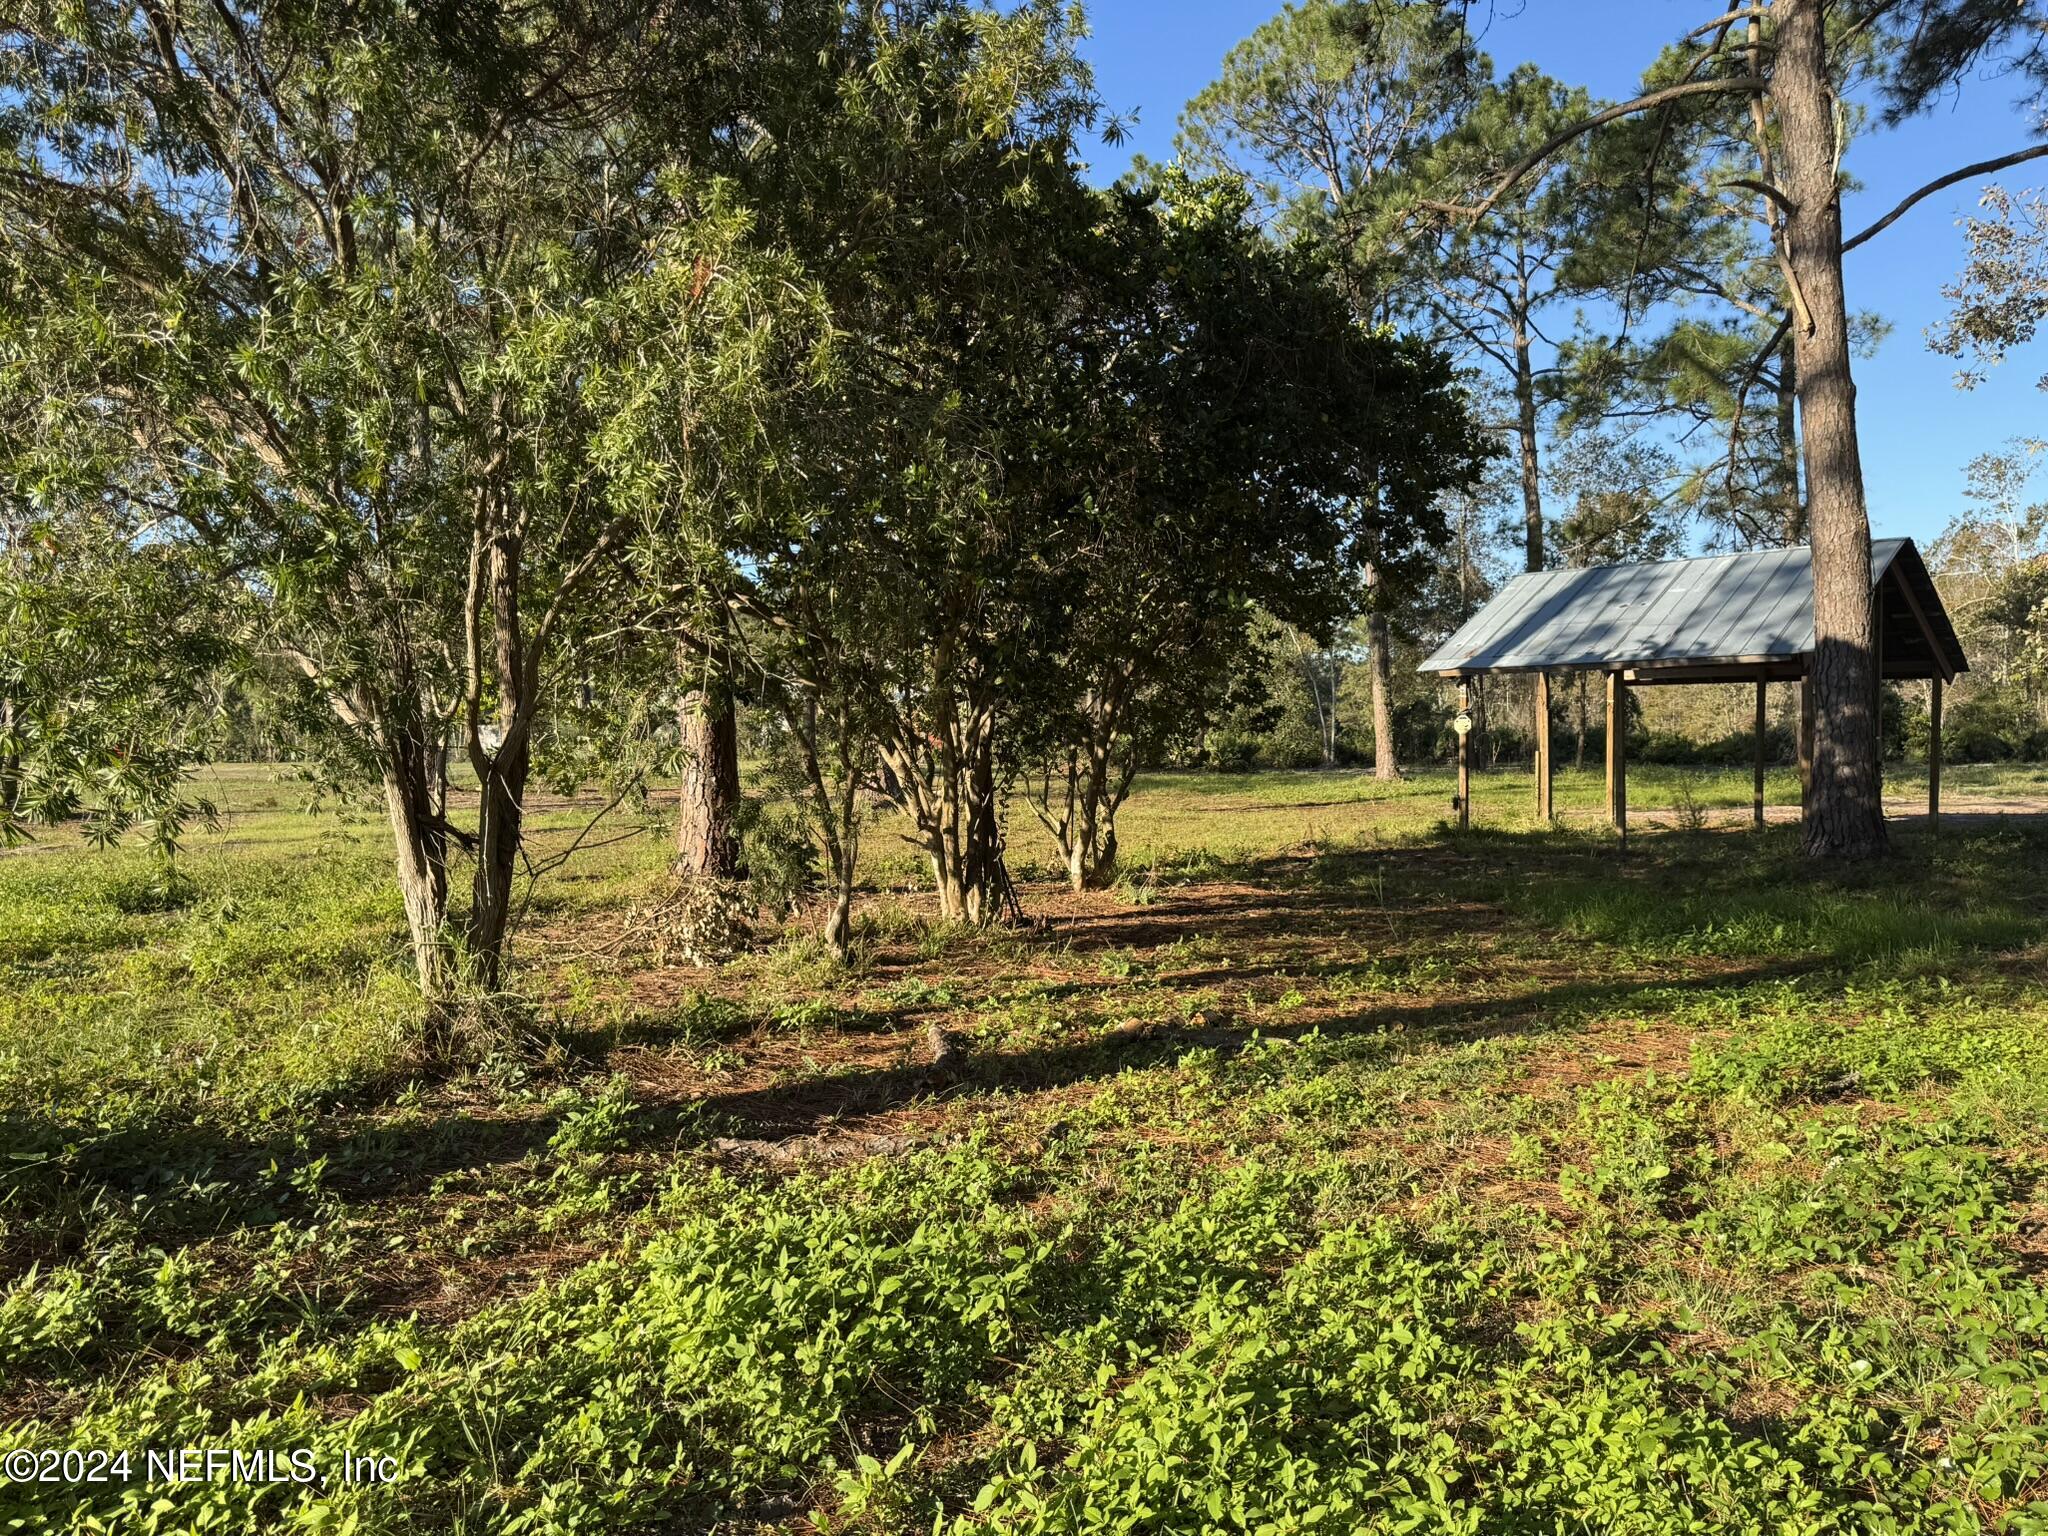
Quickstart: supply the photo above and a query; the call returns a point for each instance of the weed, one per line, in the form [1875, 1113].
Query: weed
[1398, 1188]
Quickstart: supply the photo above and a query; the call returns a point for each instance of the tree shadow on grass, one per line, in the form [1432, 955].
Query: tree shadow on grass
[1301, 915]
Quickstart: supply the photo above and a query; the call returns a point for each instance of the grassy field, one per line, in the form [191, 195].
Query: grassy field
[1336, 1172]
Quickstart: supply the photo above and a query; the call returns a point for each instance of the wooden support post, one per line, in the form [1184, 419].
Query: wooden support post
[1617, 754]
[1805, 744]
[1934, 753]
[1757, 804]
[1543, 812]
[1464, 757]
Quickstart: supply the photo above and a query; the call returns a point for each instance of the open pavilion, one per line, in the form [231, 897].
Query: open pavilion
[1713, 619]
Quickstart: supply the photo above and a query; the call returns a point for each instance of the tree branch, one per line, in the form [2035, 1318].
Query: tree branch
[1749, 378]
[1742, 83]
[1766, 189]
[1981, 168]
[1726, 20]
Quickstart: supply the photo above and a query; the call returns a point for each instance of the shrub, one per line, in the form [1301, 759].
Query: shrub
[1233, 749]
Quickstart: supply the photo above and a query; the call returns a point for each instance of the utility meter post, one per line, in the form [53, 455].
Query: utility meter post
[1463, 726]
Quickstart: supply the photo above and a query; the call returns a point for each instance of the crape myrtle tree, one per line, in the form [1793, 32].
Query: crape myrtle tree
[367, 298]
[1325, 113]
[1212, 498]
[1045, 448]
[1786, 61]
[889, 580]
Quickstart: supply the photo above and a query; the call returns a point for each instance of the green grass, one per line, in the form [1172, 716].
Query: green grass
[1340, 1173]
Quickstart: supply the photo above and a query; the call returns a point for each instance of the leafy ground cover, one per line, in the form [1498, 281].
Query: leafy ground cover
[1335, 1173]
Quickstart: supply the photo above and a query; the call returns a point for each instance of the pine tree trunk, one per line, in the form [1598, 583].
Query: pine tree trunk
[1532, 474]
[1532, 480]
[1384, 763]
[707, 842]
[1847, 815]
[1792, 529]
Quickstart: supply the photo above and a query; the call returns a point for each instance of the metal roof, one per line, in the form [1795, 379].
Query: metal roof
[1715, 610]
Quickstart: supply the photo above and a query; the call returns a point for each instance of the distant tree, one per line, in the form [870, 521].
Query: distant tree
[2001, 298]
[1991, 562]
[1619, 509]
[1493, 282]
[1326, 112]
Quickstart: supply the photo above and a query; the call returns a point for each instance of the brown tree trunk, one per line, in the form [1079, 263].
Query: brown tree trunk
[500, 828]
[501, 781]
[984, 848]
[835, 802]
[1793, 526]
[1082, 863]
[1579, 722]
[1384, 763]
[707, 842]
[411, 772]
[1847, 819]
[1532, 475]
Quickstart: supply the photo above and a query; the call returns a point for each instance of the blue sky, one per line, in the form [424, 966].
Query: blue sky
[1918, 431]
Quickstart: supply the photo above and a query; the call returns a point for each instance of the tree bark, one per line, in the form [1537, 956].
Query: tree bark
[946, 782]
[501, 779]
[984, 847]
[1793, 525]
[1847, 819]
[1317, 667]
[1579, 722]
[1084, 857]
[1385, 765]
[1532, 475]
[411, 773]
[1091, 789]
[835, 803]
[707, 841]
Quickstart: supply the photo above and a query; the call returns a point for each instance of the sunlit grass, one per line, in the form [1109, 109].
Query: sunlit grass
[1338, 1171]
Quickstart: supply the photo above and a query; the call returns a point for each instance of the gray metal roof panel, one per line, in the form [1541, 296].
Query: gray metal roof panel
[1711, 608]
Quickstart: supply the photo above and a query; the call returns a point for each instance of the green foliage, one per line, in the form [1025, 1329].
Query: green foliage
[1350, 1206]
[108, 653]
